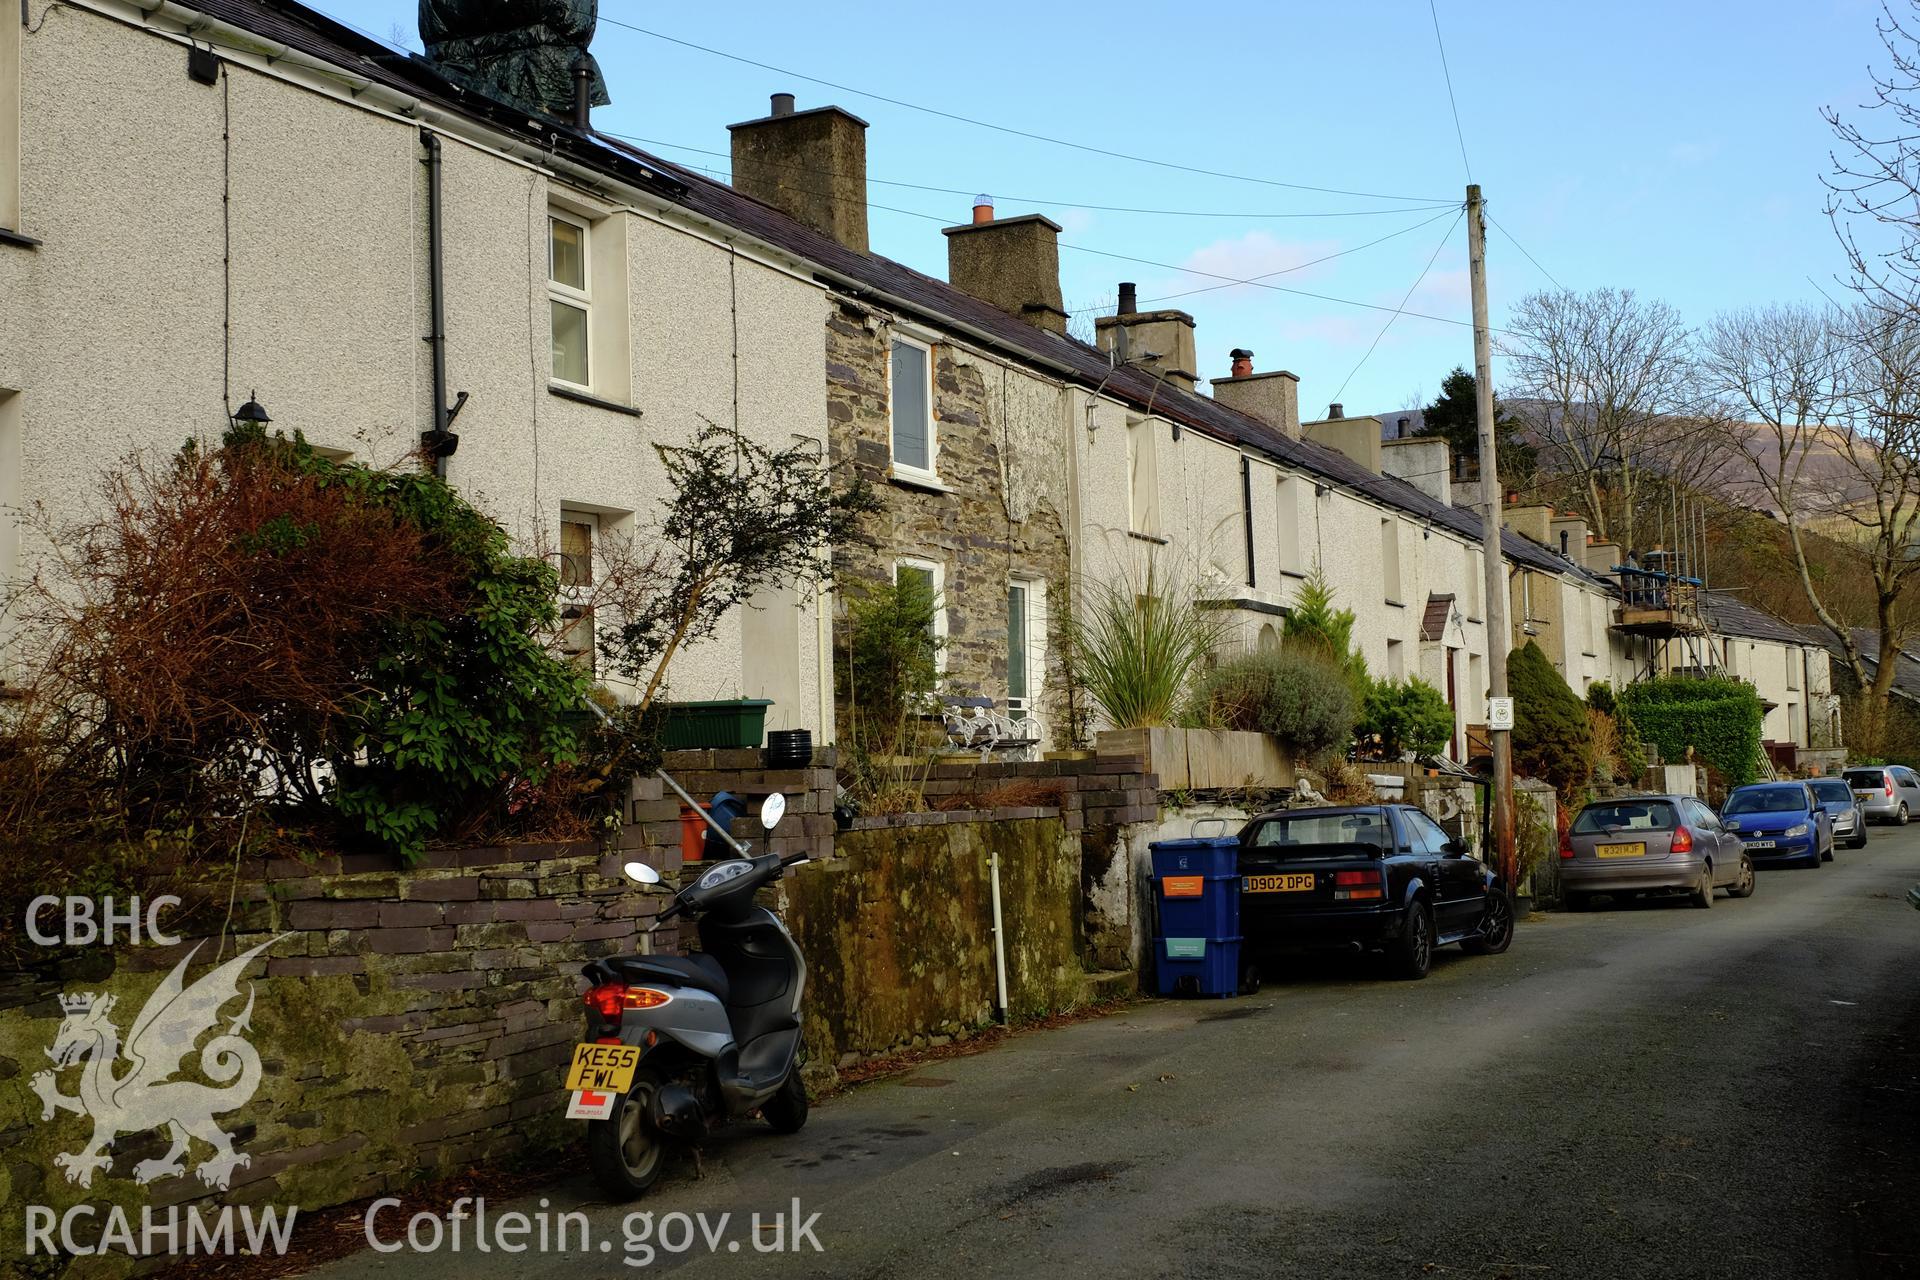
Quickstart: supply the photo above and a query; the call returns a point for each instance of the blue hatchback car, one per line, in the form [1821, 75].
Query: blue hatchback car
[1780, 822]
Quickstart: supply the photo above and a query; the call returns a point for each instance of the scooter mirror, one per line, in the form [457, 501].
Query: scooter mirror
[772, 809]
[641, 872]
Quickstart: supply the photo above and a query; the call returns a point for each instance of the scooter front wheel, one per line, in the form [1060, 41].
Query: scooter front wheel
[786, 1111]
[624, 1150]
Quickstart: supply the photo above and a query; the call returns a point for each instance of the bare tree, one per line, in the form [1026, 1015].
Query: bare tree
[1602, 382]
[1824, 405]
[1873, 191]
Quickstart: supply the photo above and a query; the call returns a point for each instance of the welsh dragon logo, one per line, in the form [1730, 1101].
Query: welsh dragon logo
[128, 1089]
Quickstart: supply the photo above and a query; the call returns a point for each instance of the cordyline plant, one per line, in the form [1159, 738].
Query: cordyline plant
[741, 519]
[1135, 642]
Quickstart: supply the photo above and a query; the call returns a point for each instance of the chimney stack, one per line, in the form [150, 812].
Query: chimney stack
[1272, 398]
[1013, 263]
[811, 165]
[1155, 342]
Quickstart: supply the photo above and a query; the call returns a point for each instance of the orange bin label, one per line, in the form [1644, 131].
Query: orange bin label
[1182, 886]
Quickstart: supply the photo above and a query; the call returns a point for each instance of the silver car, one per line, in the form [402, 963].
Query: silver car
[1886, 792]
[1655, 843]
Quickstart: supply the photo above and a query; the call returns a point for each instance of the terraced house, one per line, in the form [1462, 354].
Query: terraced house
[295, 207]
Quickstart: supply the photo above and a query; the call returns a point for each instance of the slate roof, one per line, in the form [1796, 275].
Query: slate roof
[1731, 616]
[934, 300]
[1433, 623]
[1906, 671]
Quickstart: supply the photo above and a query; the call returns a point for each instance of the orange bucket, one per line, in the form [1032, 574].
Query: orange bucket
[693, 835]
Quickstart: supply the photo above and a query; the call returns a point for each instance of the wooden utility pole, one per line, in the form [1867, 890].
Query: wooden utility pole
[1499, 637]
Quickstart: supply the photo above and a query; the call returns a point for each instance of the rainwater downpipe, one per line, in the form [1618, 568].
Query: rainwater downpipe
[437, 442]
[999, 938]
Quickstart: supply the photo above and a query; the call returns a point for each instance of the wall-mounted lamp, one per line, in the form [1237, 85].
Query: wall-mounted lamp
[252, 411]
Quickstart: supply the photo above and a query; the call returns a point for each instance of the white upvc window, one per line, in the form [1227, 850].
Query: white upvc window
[10, 147]
[915, 440]
[933, 576]
[1143, 477]
[1026, 644]
[579, 549]
[1390, 557]
[1287, 528]
[570, 298]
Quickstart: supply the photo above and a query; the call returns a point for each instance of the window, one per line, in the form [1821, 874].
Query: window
[1288, 523]
[570, 299]
[911, 395]
[1390, 557]
[1793, 668]
[930, 576]
[9, 123]
[579, 534]
[12, 497]
[1143, 478]
[1426, 833]
[1026, 644]
[1396, 660]
[1474, 577]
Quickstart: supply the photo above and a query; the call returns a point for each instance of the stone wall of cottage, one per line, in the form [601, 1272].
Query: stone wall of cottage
[414, 1021]
[998, 514]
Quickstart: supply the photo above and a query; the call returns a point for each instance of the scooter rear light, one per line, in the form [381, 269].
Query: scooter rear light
[645, 998]
[1682, 840]
[607, 999]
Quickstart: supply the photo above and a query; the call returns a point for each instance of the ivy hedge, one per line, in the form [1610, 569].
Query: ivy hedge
[1717, 716]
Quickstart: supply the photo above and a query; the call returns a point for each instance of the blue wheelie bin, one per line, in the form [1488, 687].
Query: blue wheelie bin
[1196, 891]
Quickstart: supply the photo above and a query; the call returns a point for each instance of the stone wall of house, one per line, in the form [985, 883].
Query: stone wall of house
[998, 513]
[413, 1021]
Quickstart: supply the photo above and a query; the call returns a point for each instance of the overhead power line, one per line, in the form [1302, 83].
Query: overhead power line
[1523, 250]
[1451, 101]
[1008, 129]
[1057, 203]
[1298, 266]
[1401, 309]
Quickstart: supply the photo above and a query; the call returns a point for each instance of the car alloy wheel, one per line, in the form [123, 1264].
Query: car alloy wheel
[1900, 819]
[1496, 926]
[1413, 958]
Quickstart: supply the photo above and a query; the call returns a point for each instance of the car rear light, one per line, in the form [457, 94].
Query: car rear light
[1682, 840]
[611, 999]
[1351, 885]
[1566, 849]
[1888, 778]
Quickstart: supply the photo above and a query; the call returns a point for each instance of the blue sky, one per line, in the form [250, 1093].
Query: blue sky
[1672, 148]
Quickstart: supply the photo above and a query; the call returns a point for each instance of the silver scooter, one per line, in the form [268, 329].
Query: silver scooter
[676, 1046]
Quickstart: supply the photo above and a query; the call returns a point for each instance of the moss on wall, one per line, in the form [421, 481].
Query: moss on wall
[898, 933]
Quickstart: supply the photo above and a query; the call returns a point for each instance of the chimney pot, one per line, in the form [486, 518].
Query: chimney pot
[1336, 411]
[1242, 362]
[782, 104]
[1129, 299]
[982, 209]
[1400, 428]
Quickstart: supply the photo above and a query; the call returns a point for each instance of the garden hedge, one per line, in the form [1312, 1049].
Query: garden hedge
[1717, 716]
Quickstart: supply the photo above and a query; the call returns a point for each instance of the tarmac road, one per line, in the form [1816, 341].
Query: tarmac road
[1644, 1091]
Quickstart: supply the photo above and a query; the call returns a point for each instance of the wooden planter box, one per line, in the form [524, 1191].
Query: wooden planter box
[724, 725]
[1204, 759]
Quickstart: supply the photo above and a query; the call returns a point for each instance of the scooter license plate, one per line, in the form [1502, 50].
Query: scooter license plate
[602, 1068]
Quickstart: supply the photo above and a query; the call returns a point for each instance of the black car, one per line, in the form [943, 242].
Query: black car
[1367, 878]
